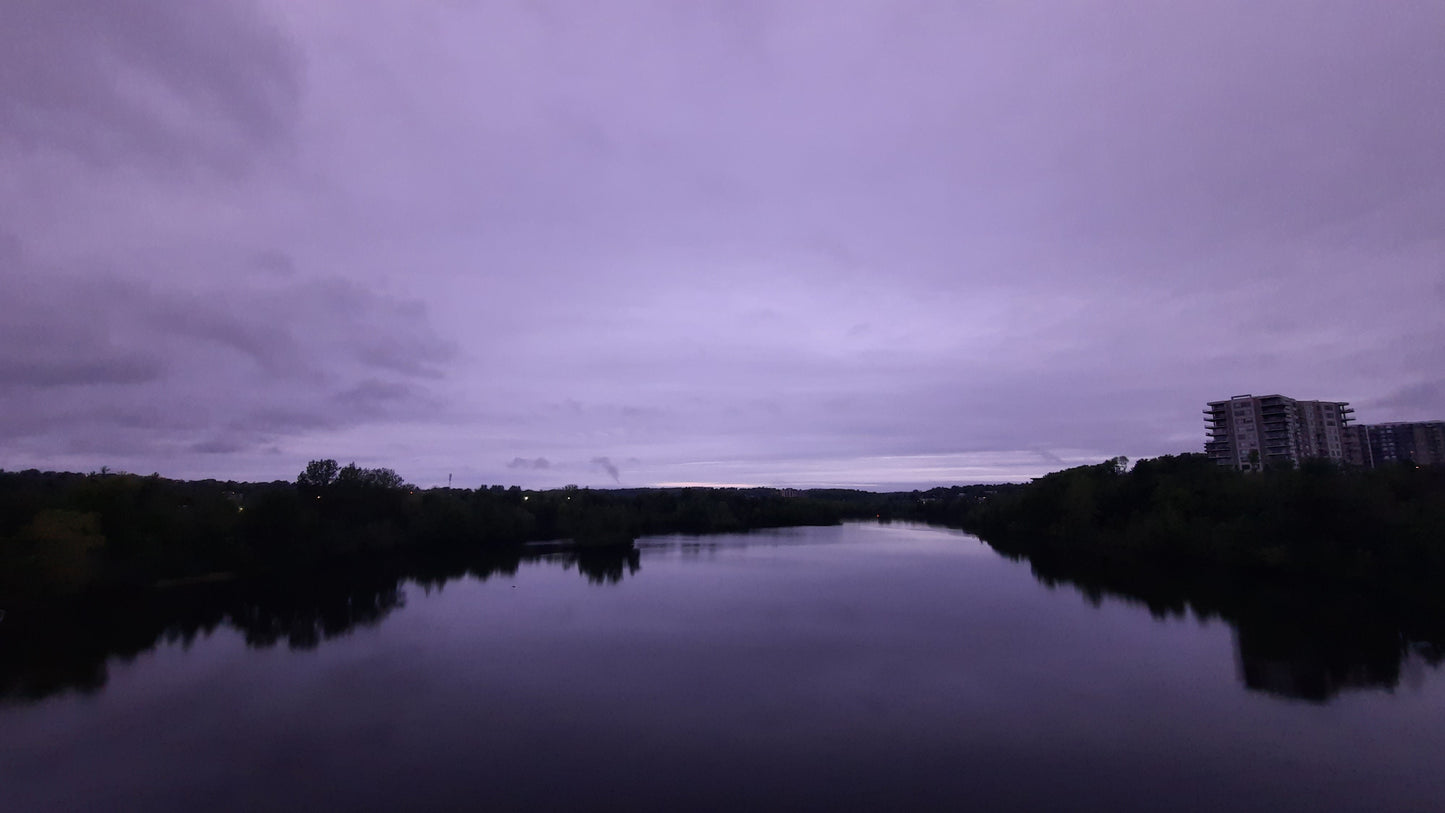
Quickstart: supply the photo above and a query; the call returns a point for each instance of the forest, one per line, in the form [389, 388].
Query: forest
[1320, 520]
[65, 533]
[62, 534]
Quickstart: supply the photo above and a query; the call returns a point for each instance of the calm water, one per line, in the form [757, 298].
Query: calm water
[865, 666]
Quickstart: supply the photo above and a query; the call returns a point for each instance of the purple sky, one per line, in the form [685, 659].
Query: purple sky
[784, 243]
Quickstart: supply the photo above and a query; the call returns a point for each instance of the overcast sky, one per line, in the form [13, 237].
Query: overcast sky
[883, 244]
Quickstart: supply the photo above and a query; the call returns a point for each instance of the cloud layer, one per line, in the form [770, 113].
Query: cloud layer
[792, 243]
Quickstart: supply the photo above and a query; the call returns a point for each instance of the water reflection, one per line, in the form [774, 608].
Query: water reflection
[599, 565]
[1291, 641]
[68, 648]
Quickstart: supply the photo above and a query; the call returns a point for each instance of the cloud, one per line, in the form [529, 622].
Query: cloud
[161, 84]
[218, 446]
[376, 396]
[777, 234]
[275, 262]
[94, 358]
[99, 368]
[11, 251]
[1424, 400]
[1050, 458]
[606, 465]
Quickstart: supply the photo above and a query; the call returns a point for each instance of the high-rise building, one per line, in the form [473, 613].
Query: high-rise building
[1420, 442]
[1250, 432]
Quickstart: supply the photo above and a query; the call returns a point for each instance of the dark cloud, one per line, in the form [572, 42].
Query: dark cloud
[56, 331]
[10, 248]
[607, 465]
[1050, 458]
[31, 372]
[538, 463]
[1424, 400]
[96, 358]
[275, 262]
[207, 319]
[219, 446]
[375, 392]
[162, 82]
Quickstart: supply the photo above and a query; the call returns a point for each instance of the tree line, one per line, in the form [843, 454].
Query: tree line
[1331, 576]
[1320, 520]
[64, 533]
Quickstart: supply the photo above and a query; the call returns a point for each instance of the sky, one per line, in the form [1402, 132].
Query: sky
[869, 244]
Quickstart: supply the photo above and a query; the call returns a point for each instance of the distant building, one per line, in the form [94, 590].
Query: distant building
[1250, 432]
[1421, 442]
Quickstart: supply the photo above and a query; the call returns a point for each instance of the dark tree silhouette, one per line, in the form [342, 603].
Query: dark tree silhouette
[318, 474]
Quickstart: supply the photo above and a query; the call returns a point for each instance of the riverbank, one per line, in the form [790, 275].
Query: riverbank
[64, 534]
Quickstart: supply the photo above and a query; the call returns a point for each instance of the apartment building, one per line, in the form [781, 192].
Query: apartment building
[1249, 432]
[1420, 442]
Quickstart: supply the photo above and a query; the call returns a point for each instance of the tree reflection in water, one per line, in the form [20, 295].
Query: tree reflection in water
[68, 647]
[1303, 642]
[603, 565]
[1290, 641]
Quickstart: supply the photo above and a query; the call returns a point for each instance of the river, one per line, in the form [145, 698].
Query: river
[863, 666]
